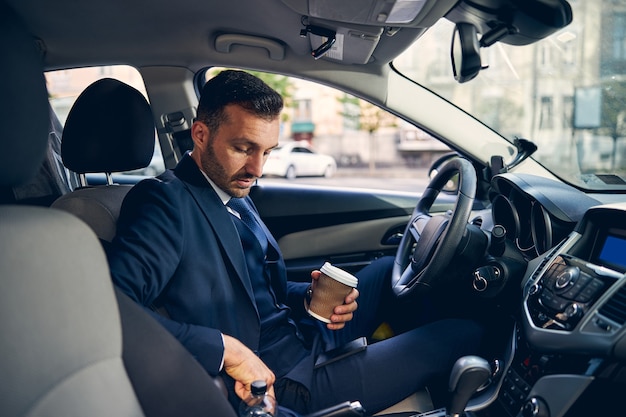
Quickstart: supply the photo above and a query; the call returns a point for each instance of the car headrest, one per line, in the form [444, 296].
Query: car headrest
[108, 129]
[23, 103]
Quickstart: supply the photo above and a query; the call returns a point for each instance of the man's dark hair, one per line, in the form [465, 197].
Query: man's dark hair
[242, 89]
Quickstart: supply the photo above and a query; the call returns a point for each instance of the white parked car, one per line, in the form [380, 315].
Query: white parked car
[297, 159]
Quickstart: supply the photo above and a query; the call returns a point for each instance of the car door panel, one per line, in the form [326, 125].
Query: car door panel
[348, 246]
[345, 226]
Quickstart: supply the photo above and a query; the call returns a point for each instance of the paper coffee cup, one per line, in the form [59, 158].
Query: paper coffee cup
[332, 287]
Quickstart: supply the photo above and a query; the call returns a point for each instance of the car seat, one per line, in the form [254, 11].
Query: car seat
[61, 337]
[108, 129]
[71, 345]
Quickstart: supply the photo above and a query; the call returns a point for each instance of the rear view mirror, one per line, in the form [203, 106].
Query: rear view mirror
[465, 52]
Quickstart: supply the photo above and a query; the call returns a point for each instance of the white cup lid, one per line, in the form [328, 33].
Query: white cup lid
[339, 275]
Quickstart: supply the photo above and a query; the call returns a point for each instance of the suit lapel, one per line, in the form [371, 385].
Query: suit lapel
[217, 217]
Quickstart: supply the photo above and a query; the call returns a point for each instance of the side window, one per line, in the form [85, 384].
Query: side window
[371, 148]
[301, 150]
[64, 87]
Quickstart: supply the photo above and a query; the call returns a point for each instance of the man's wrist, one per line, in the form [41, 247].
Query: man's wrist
[307, 296]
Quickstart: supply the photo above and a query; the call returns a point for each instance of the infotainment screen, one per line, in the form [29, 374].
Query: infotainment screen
[613, 251]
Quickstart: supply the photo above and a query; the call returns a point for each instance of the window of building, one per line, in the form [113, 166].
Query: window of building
[568, 111]
[546, 113]
[302, 110]
[619, 37]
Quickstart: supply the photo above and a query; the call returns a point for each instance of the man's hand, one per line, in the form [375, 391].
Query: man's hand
[342, 313]
[245, 367]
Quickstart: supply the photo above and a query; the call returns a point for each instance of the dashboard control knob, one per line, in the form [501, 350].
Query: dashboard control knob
[534, 289]
[572, 311]
[535, 407]
[498, 239]
[567, 277]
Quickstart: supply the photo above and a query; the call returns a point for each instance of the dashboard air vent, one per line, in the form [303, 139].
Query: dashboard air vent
[545, 260]
[615, 307]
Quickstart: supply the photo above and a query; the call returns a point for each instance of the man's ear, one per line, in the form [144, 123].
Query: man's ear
[199, 134]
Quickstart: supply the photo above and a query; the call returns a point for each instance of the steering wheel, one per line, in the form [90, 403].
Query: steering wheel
[430, 242]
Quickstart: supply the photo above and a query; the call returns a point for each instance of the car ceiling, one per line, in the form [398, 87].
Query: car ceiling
[265, 35]
[182, 32]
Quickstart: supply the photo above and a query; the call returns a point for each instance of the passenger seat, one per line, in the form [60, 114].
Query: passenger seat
[61, 345]
[110, 128]
[71, 344]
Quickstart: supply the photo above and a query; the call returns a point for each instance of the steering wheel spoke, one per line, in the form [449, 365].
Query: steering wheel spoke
[417, 226]
[429, 241]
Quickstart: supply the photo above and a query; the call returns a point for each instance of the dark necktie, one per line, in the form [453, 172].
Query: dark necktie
[248, 218]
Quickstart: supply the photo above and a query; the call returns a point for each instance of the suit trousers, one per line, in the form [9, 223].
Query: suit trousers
[390, 370]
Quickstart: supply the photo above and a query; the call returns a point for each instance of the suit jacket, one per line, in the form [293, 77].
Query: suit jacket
[178, 249]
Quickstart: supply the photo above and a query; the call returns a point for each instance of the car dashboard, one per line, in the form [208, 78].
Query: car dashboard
[536, 212]
[568, 348]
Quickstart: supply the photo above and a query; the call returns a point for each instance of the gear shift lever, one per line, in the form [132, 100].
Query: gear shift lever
[468, 374]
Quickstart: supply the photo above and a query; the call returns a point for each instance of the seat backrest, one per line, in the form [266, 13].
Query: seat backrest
[97, 206]
[61, 344]
[168, 381]
[108, 129]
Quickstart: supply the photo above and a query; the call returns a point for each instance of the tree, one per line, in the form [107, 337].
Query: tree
[365, 116]
[501, 114]
[613, 115]
[612, 107]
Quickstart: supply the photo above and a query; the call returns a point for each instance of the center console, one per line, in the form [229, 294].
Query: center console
[573, 319]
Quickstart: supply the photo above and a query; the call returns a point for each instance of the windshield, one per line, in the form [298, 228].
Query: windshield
[566, 93]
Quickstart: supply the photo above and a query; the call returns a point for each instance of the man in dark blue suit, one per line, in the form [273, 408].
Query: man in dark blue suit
[220, 286]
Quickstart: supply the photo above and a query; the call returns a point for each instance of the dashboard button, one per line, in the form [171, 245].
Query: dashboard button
[575, 289]
[552, 301]
[590, 291]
